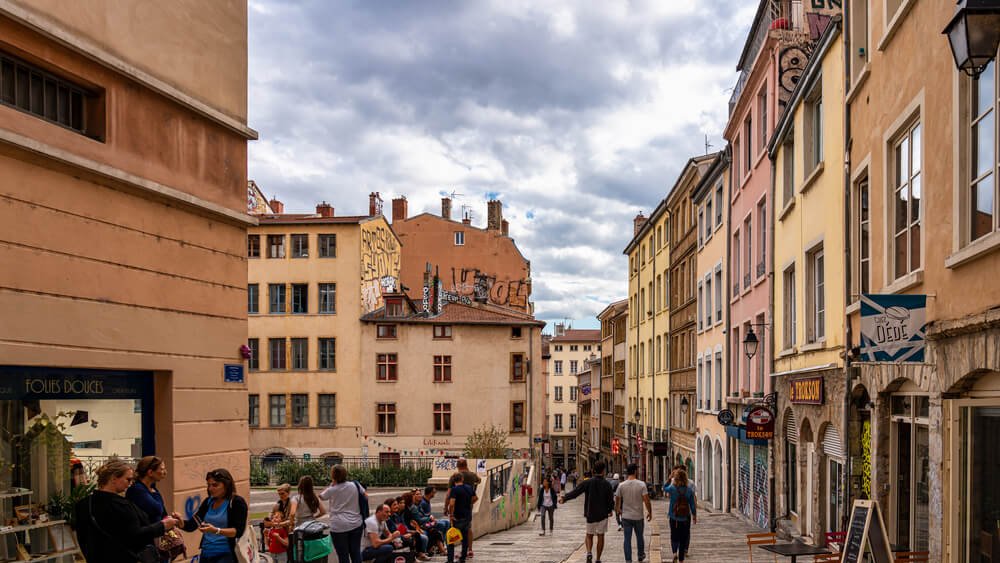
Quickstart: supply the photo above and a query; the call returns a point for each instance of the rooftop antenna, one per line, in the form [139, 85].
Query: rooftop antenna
[454, 194]
[708, 145]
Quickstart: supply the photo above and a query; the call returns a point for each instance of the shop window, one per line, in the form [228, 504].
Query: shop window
[327, 246]
[909, 468]
[979, 489]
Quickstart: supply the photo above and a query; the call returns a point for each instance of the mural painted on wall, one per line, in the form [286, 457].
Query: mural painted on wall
[791, 63]
[379, 264]
[761, 506]
[743, 489]
[866, 459]
[480, 286]
[257, 203]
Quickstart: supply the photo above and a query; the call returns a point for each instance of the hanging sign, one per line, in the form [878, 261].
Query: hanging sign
[725, 417]
[806, 390]
[893, 328]
[760, 423]
[866, 527]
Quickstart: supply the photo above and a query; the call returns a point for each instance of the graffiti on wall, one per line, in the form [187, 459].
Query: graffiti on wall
[743, 489]
[476, 285]
[379, 265]
[866, 459]
[761, 504]
[791, 64]
[191, 505]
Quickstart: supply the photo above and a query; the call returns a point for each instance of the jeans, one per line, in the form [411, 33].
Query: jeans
[226, 558]
[381, 553]
[463, 526]
[680, 537]
[348, 545]
[638, 526]
[550, 511]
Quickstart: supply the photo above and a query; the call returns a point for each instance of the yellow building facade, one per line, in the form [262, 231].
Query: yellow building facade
[809, 296]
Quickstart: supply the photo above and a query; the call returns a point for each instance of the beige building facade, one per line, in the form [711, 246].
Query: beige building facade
[614, 354]
[570, 350]
[122, 234]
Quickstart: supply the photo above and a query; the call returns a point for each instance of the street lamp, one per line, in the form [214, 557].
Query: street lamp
[684, 405]
[636, 417]
[974, 33]
[750, 344]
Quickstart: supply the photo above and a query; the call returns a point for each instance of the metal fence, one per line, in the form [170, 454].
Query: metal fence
[92, 463]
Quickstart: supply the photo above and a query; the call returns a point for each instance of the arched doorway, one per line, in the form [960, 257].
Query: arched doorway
[791, 469]
[807, 465]
[718, 501]
[860, 443]
[707, 486]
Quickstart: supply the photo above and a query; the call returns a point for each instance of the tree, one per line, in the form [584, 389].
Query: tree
[487, 442]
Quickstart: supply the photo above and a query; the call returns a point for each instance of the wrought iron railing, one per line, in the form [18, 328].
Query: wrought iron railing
[497, 477]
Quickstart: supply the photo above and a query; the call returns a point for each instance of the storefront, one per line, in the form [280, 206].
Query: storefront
[53, 419]
[752, 479]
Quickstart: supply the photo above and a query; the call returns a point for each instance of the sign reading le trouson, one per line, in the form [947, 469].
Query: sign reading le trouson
[806, 391]
[760, 423]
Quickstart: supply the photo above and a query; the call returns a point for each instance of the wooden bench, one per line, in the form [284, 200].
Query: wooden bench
[913, 557]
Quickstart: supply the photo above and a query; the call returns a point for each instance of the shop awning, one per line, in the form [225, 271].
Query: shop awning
[740, 433]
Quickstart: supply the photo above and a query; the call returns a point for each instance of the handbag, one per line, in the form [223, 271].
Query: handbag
[246, 546]
[170, 545]
[362, 502]
[147, 554]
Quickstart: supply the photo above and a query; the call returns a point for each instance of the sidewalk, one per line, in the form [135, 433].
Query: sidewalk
[717, 537]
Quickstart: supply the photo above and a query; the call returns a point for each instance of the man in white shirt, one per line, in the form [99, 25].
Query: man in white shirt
[376, 543]
[630, 497]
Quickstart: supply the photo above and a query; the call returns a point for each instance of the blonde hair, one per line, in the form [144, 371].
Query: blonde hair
[113, 469]
[681, 478]
[284, 488]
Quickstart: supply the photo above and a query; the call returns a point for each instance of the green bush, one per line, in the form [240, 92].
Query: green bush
[258, 476]
[290, 471]
[391, 476]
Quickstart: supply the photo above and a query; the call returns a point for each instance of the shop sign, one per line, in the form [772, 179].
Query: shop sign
[893, 328]
[760, 423]
[20, 383]
[725, 417]
[660, 449]
[806, 391]
[232, 373]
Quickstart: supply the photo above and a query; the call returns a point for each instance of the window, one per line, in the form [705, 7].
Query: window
[386, 331]
[699, 385]
[253, 246]
[300, 298]
[788, 169]
[442, 369]
[747, 231]
[254, 410]
[253, 299]
[442, 331]
[737, 168]
[718, 381]
[459, 238]
[517, 416]
[254, 361]
[300, 354]
[275, 246]
[557, 423]
[300, 410]
[442, 418]
[983, 188]
[559, 367]
[572, 366]
[515, 332]
[817, 298]
[558, 393]
[572, 393]
[762, 124]
[327, 410]
[708, 301]
[573, 348]
[32, 90]
[558, 347]
[708, 382]
[906, 243]
[386, 365]
[735, 263]
[792, 475]
[277, 410]
[813, 131]
[517, 367]
[862, 237]
[701, 227]
[277, 348]
[788, 308]
[300, 246]
[588, 347]
[747, 144]
[709, 217]
[718, 205]
[761, 239]
[394, 307]
[701, 303]
[276, 293]
[718, 295]
[327, 354]
[386, 414]
[858, 38]
[327, 298]
[737, 351]
[572, 423]
[327, 246]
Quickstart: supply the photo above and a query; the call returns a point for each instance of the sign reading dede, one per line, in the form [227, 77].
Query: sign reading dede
[893, 328]
[760, 423]
[806, 391]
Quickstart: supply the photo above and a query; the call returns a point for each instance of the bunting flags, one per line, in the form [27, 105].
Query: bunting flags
[388, 448]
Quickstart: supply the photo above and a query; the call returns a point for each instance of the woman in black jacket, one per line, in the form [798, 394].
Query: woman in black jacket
[547, 504]
[109, 527]
[221, 518]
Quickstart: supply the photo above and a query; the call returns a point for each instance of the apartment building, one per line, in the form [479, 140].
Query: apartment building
[614, 355]
[570, 349]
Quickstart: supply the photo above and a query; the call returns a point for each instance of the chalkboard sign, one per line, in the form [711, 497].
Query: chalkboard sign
[867, 529]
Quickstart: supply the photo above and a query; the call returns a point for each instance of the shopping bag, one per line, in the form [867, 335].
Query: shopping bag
[453, 536]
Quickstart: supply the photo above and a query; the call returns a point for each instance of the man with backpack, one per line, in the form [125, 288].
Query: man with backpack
[682, 512]
[597, 507]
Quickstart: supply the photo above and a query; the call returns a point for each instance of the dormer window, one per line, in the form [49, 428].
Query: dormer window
[394, 307]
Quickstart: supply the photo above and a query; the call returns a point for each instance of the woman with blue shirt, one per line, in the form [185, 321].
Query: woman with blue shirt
[221, 518]
[682, 512]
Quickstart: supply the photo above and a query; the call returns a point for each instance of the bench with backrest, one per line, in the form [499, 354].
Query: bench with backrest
[761, 539]
[913, 557]
[835, 540]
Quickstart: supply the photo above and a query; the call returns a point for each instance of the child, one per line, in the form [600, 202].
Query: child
[277, 536]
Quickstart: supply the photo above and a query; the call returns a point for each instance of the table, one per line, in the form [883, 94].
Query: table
[793, 550]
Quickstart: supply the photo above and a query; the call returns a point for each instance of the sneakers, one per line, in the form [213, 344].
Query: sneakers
[542, 533]
[590, 557]
[642, 557]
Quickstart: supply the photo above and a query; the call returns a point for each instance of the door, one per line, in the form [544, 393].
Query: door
[911, 467]
[835, 498]
[807, 504]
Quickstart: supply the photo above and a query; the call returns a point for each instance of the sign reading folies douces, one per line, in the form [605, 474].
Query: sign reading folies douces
[806, 390]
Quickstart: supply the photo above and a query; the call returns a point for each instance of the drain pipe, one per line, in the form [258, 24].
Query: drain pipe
[848, 273]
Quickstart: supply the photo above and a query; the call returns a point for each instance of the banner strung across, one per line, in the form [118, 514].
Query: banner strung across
[893, 328]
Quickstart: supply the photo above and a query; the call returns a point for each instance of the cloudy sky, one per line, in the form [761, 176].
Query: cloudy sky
[577, 115]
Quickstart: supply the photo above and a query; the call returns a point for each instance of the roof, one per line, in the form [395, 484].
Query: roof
[613, 309]
[713, 173]
[463, 224]
[578, 335]
[303, 218]
[459, 314]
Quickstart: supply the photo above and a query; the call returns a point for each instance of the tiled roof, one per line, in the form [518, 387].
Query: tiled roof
[579, 335]
[457, 313]
[297, 218]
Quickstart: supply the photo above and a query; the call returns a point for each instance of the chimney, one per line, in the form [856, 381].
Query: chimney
[467, 220]
[399, 209]
[505, 227]
[324, 209]
[494, 214]
[560, 329]
[276, 206]
[374, 204]
[638, 222]
[446, 208]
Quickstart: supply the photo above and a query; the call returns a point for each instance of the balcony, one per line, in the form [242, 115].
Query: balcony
[778, 16]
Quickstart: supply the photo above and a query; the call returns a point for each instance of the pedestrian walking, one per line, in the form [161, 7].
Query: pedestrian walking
[598, 505]
[630, 498]
[461, 497]
[682, 513]
[345, 500]
[221, 518]
[109, 527]
[562, 480]
[615, 480]
[547, 502]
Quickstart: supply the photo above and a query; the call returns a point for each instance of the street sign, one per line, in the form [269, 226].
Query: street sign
[539, 440]
[307, 456]
[760, 423]
[232, 373]
[726, 417]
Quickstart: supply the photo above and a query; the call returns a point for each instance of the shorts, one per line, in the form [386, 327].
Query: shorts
[597, 528]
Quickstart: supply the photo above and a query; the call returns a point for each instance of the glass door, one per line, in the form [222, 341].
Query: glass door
[911, 467]
[835, 498]
[979, 486]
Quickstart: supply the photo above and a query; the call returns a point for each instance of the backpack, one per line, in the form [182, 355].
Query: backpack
[681, 507]
[362, 502]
